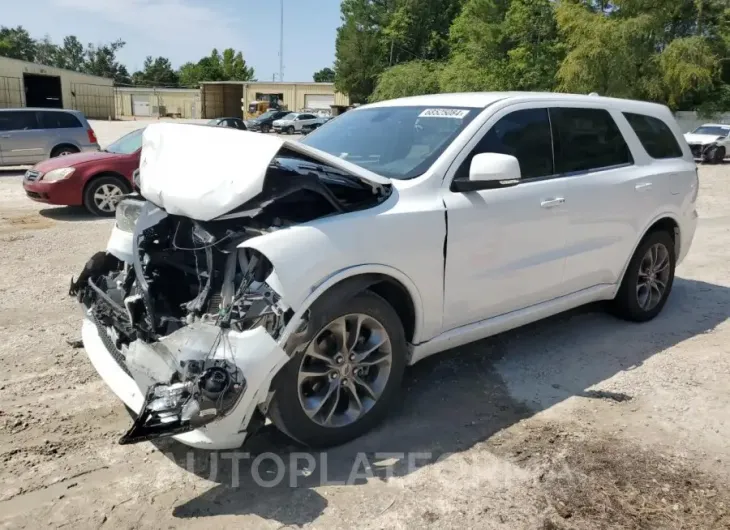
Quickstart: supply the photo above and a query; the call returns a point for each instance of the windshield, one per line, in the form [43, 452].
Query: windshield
[127, 144]
[396, 142]
[712, 130]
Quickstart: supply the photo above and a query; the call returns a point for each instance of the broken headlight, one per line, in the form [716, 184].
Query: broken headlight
[128, 211]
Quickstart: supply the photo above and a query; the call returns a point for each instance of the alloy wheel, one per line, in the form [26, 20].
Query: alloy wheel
[344, 370]
[106, 197]
[654, 271]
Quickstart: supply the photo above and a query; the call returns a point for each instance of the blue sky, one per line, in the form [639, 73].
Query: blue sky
[186, 30]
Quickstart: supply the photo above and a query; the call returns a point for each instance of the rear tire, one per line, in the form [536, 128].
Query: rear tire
[289, 130]
[648, 279]
[102, 192]
[64, 150]
[325, 383]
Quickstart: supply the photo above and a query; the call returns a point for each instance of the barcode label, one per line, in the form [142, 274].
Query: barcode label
[459, 114]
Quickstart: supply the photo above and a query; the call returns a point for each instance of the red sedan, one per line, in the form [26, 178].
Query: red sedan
[95, 179]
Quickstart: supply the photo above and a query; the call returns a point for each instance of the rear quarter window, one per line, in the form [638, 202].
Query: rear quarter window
[587, 140]
[655, 135]
[58, 120]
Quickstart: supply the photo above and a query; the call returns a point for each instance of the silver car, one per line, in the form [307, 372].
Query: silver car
[28, 136]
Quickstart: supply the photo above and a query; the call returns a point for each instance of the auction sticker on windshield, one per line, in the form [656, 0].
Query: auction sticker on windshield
[459, 114]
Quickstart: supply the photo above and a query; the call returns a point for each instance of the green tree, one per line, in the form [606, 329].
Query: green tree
[71, 54]
[377, 34]
[156, 72]
[102, 61]
[408, 79]
[234, 66]
[16, 43]
[359, 60]
[325, 75]
[189, 75]
[46, 52]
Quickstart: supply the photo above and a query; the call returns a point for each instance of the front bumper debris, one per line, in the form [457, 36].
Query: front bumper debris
[164, 408]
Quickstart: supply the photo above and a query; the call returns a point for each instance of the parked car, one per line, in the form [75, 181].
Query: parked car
[265, 122]
[306, 129]
[709, 142]
[95, 179]
[30, 135]
[233, 123]
[300, 278]
[293, 122]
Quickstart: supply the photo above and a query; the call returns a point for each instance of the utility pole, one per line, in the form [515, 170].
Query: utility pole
[281, 45]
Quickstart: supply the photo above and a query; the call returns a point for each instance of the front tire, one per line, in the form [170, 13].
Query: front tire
[289, 130]
[102, 194]
[648, 279]
[343, 382]
[719, 155]
[266, 129]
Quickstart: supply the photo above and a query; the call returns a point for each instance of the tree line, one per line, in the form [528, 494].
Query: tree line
[101, 60]
[675, 52]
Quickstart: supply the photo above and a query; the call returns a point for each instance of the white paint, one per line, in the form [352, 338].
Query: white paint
[204, 172]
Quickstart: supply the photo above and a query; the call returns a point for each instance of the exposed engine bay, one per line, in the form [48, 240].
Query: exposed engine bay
[171, 317]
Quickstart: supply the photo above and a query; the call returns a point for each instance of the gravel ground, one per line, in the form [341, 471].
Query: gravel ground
[581, 421]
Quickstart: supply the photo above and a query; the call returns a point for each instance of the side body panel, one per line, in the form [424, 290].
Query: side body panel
[404, 234]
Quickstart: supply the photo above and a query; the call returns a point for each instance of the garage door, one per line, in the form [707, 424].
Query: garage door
[319, 101]
[141, 106]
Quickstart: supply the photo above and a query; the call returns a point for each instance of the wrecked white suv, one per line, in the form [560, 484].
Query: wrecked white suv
[709, 142]
[254, 277]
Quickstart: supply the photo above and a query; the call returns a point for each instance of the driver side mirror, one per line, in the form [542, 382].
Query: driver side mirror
[489, 171]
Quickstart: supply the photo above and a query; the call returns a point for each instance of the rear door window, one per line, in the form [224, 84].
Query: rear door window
[58, 120]
[587, 140]
[18, 120]
[524, 134]
[656, 137]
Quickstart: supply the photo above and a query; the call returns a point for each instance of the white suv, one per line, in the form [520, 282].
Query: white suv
[257, 277]
[294, 122]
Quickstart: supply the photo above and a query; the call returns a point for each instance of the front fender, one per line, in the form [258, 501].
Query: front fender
[306, 263]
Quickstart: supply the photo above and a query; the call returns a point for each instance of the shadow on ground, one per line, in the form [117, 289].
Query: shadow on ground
[450, 402]
[68, 213]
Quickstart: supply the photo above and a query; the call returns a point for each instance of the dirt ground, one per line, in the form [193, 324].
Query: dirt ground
[578, 422]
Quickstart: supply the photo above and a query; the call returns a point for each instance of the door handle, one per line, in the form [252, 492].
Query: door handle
[644, 186]
[552, 203]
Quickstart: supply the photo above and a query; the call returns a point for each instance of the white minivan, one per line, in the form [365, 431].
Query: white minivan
[255, 277]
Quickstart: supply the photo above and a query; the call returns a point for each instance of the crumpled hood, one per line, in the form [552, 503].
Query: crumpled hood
[205, 172]
[700, 138]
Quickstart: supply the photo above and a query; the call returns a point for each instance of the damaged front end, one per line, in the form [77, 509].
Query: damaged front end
[179, 319]
[174, 320]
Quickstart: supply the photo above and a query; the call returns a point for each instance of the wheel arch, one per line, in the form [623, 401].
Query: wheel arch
[104, 173]
[64, 144]
[666, 222]
[389, 283]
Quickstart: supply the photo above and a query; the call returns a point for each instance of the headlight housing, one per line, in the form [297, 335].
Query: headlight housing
[127, 213]
[58, 174]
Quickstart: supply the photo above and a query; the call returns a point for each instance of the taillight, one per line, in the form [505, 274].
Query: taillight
[92, 136]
